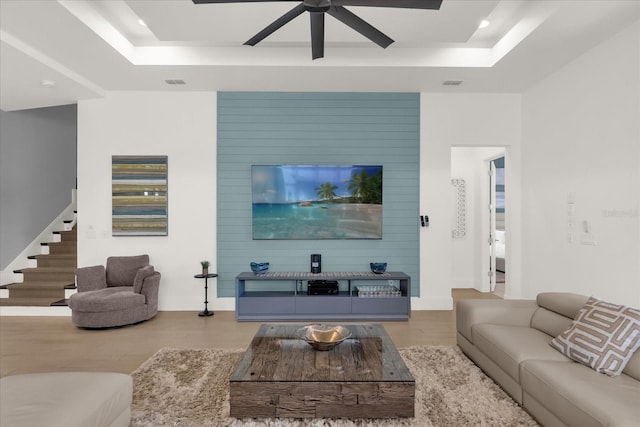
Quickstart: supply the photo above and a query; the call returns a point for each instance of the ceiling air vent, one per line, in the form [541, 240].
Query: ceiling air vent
[452, 83]
[175, 82]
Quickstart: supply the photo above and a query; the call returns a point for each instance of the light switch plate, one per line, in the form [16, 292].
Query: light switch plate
[589, 239]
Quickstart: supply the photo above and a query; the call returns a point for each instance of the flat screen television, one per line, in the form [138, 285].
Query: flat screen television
[298, 202]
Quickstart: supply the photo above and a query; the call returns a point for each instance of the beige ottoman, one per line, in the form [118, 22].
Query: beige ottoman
[66, 399]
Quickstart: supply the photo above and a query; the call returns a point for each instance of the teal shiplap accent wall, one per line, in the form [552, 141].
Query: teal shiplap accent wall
[273, 128]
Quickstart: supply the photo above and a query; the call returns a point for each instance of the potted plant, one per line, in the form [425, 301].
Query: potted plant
[205, 267]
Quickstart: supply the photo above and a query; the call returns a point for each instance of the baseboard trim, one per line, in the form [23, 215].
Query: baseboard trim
[58, 311]
[431, 303]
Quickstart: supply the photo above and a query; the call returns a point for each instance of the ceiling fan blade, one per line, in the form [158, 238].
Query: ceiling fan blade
[275, 25]
[360, 25]
[234, 1]
[317, 34]
[406, 4]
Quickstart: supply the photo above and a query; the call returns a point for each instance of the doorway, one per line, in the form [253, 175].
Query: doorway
[478, 260]
[497, 230]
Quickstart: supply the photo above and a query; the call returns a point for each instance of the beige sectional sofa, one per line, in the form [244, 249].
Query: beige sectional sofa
[66, 399]
[510, 341]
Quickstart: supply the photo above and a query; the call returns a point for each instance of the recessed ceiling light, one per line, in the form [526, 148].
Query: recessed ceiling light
[484, 24]
[141, 22]
[48, 83]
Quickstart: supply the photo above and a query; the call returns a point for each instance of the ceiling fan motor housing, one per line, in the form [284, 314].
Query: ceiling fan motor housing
[317, 5]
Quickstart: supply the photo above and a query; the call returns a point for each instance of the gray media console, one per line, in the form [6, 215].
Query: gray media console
[282, 296]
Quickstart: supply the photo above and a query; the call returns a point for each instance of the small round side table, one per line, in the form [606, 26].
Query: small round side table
[206, 277]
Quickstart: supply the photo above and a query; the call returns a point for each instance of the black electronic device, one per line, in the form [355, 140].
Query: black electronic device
[322, 287]
[316, 263]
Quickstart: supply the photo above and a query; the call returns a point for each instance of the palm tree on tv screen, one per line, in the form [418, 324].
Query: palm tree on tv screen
[326, 191]
[365, 188]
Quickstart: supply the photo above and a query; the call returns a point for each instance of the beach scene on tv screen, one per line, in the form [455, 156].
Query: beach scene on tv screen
[316, 202]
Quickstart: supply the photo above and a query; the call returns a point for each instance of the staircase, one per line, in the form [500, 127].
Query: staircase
[45, 284]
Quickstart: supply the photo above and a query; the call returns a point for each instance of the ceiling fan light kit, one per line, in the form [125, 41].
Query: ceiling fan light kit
[318, 8]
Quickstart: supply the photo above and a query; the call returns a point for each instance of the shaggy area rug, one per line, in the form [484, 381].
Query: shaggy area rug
[189, 388]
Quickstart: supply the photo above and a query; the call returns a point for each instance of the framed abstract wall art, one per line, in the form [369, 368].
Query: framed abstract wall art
[139, 196]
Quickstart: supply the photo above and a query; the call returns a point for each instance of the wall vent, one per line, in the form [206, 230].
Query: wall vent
[452, 83]
[175, 82]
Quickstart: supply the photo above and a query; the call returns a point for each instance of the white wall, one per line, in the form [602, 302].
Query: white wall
[183, 127]
[461, 120]
[576, 132]
[581, 137]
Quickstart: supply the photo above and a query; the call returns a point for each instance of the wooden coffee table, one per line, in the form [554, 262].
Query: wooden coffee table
[281, 375]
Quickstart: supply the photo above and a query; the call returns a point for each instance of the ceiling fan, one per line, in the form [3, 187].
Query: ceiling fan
[335, 8]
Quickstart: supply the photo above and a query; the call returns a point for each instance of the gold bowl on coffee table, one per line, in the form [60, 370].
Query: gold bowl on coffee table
[324, 337]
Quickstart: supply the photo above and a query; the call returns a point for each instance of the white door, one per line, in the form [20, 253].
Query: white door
[492, 226]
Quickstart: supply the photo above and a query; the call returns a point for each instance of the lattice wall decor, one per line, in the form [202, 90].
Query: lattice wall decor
[461, 208]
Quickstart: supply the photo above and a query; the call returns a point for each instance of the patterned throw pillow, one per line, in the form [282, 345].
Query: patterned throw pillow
[602, 336]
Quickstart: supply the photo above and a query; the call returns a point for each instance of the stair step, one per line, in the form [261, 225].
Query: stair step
[36, 293]
[61, 247]
[50, 289]
[67, 236]
[51, 256]
[39, 274]
[28, 302]
[44, 270]
[70, 243]
[40, 285]
[9, 285]
[54, 256]
[56, 260]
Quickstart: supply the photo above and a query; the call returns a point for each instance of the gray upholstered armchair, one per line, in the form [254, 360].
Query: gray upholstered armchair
[125, 292]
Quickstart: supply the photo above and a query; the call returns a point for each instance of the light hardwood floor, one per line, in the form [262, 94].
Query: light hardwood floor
[43, 344]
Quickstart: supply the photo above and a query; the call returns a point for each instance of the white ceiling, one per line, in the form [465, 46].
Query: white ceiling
[90, 47]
